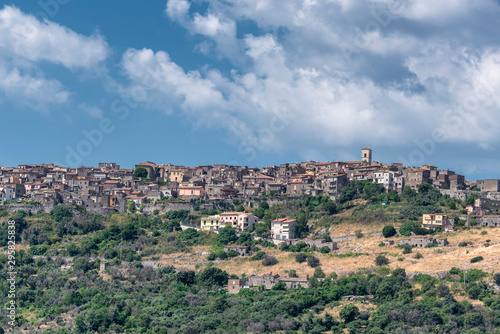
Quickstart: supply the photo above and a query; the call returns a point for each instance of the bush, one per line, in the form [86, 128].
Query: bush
[312, 261]
[381, 260]
[359, 234]
[258, 256]
[232, 253]
[221, 255]
[496, 277]
[418, 256]
[211, 257]
[292, 273]
[476, 259]
[484, 232]
[324, 250]
[454, 271]
[443, 290]
[388, 231]
[349, 313]
[301, 257]
[462, 244]
[269, 260]
[407, 248]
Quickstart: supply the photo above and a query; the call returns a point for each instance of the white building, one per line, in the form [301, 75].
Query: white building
[283, 229]
[6, 193]
[241, 220]
[385, 178]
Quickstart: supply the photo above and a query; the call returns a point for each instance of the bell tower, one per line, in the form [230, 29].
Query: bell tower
[366, 156]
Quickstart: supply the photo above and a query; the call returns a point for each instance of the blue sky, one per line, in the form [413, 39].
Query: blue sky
[251, 82]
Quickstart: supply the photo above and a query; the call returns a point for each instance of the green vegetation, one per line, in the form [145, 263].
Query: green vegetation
[388, 231]
[476, 259]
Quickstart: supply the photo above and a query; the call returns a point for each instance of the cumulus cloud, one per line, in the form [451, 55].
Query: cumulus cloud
[22, 35]
[31, 90]
[25, 43]
[335, 73]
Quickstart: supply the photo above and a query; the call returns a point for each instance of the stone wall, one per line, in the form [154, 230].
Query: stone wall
[28, 207]
[464, 194]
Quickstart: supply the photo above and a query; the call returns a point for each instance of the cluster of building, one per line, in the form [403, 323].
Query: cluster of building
[110, 187]
[266, 282]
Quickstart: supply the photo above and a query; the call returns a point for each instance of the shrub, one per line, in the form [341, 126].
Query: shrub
[432, 245]
[381, 244]
[454, 271]
[496, 277]
[443, 290]
[156, 211]
[388, 231]
[269, 260]
[312, 261]
[258, 256]
[211, 257]
[221, 255]
[381, 260]
[349, 312]
[462, 244]
[418, 256]
[401, 259]
[292, 273]
[324, 250]
[232, 253]
[484, 232]
[476, 259]
[301, 257]
[407, 248]
[359, 234]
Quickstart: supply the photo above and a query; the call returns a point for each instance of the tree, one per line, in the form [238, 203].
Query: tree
[496, 277]
[349, 313]
[141, 172]
[212, 276]
[61, 213]
[81, 263]
[324, 249]
[280, 286]
[263, 205]
[261, 230]
[226, 235]
[407, 248]
[381, 260]
[388, 231]
[318, 273]
[240, 208]
[443, 290]
[301, 257]
[269, 260]
[292, 273]
[312, 261]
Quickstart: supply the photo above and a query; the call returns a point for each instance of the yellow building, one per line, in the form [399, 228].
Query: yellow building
[430, 220]
[210, 223]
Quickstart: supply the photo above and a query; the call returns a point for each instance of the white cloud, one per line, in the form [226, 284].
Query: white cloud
[93, 111]
[22, 35]
[334, 73]
[26, 42]
[31, 90]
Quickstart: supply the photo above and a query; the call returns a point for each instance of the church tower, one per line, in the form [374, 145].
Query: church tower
[366, 156]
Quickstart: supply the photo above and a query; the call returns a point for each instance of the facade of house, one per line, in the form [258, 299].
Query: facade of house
[210, 223]
[191, 192]
[432, 220]
[489, 185]
[421, 242]
[240, 220]
[242, 250]
[282, 229]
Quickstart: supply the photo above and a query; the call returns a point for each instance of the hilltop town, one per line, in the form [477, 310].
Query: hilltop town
[239, 232]
[108, 188]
